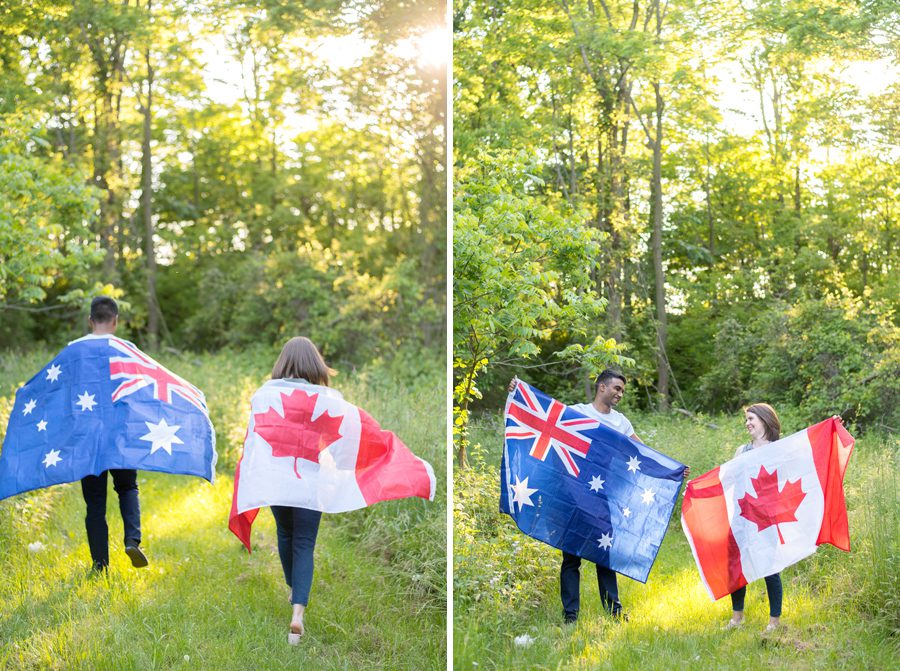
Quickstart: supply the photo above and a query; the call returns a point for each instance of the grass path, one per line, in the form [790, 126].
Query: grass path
[203, 603]
[672, 622]
[378, 598]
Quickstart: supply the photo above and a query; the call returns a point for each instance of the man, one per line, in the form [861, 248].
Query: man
[609, 388]
[608, 391]
[103, 322]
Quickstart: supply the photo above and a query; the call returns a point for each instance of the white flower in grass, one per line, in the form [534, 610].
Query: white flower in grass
[523, 641]
[37, 546]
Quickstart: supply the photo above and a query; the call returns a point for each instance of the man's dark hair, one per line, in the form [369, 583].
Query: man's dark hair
[103, 310]
[606, 376]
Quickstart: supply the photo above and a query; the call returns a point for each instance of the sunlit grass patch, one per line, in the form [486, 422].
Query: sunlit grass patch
[378, 598]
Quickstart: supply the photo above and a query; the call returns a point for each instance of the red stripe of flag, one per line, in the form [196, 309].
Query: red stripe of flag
[831, 447]
[705, 516]
[385, 467]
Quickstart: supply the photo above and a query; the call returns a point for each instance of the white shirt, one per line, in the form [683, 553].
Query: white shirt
[91, 336]
[614, 419]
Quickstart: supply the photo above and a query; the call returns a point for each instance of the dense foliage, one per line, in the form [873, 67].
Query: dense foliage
[234, 172]
[731, 174]
[520, 278]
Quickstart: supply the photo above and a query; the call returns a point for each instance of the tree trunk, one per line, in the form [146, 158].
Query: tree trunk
[147, 208]
[662, 363]
[707, 187]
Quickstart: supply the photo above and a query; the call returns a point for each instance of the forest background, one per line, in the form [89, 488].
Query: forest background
[705, 195]
[234, 174]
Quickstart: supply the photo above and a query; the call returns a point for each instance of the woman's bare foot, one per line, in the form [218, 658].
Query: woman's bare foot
[296, 624]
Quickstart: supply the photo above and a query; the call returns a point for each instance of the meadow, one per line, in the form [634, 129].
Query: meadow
[841, 610]
[379, 593]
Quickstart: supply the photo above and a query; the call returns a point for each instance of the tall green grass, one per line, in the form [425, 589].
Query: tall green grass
[379, 594]
[840, 609]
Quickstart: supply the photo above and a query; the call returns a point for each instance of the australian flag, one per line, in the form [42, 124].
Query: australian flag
[101, 404]
[575, 484]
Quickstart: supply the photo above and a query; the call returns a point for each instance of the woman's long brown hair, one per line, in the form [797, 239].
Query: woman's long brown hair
[300, 358]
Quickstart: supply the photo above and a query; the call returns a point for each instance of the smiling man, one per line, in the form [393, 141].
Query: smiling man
[609, 387]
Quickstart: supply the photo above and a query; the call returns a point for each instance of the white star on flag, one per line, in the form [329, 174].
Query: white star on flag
[42, 425]
[626, 511]
[647, 496]
[605, 541]
[51, 458]
[596, 483]
[634, 465]
[29, 407]
[86, 401]
[161, 436]
[522, 493]
[53, 372]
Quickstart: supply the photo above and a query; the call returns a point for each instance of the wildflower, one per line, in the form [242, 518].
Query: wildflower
[523, 641]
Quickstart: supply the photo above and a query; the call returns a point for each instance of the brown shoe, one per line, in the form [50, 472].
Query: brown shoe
[138, 559]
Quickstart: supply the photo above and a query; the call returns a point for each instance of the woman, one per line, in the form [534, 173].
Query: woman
[297, 527]
[764, 427]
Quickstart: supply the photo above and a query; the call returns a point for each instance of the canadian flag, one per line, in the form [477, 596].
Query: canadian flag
[307, 447]
[769, 507]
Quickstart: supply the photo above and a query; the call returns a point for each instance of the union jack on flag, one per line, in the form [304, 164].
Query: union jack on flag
[539, 419]
[137, 370]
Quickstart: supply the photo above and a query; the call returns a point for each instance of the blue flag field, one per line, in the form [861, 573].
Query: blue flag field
[575, 484]
[100, 404]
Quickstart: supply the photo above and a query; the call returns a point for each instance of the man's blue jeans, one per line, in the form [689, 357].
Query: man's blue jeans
[93, 488]
[297, 529]
[570, 587]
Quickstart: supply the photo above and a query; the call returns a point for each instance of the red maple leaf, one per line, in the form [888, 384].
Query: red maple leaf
[771, 505]
[297, 434]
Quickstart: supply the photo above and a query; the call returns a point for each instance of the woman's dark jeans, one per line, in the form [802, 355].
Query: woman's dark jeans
[297, 529]
[773, 587]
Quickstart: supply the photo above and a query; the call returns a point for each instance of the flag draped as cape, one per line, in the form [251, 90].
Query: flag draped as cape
[307, 447]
